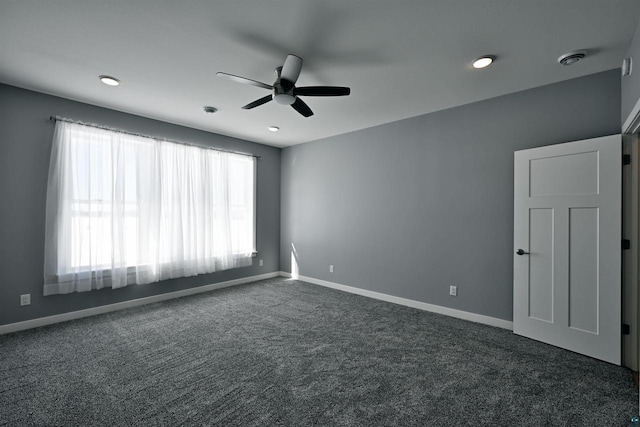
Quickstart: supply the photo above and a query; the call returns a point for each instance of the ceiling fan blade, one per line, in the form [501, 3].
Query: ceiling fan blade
[258, 102]
[244, 80]
[291, 69]
[301, 107]
[322, 91]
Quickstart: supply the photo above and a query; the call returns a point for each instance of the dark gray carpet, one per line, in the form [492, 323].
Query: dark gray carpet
[288, 353]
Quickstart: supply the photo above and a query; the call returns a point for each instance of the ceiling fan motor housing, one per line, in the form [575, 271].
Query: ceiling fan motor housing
[283, 95]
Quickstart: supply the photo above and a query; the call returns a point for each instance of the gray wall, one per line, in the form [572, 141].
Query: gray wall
[411, 207]
[631, 84]
[25, 146]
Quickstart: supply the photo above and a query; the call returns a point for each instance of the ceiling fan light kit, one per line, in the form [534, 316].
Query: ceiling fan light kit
[284, 90]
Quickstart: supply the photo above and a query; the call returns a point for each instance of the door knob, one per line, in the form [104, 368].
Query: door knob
[522, 252]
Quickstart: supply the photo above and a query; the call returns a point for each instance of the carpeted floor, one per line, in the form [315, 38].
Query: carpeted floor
[288, 353]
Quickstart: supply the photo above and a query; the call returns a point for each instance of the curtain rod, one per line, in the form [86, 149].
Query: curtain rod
[94, 125]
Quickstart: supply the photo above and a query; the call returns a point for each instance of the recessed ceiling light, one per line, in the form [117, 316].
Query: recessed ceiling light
[209, 110]
[483, 61]
[273, 128]
[108, 80]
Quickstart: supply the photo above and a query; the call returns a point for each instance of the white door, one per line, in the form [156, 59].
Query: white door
[567, 238]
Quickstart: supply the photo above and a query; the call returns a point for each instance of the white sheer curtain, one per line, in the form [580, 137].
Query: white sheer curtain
[125, 209]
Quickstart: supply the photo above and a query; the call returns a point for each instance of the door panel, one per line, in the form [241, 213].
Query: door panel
[541, 264]
[564, 175]
[583, 269]
[567, 220]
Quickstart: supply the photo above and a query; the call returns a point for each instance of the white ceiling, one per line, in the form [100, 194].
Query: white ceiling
[401, 58]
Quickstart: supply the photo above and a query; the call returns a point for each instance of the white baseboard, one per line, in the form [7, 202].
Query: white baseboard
[58, 318]
[465, 315]
[43, 321]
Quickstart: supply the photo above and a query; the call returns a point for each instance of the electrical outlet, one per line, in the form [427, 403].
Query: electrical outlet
[331, 269]
[261, 263]
[25, 299]
[453, 291]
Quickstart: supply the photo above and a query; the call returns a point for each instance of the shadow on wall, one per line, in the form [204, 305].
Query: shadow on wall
[295, 270]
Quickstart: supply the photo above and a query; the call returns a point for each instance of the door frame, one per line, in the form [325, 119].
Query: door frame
[630, 137]
[631, 231]
[630, 257]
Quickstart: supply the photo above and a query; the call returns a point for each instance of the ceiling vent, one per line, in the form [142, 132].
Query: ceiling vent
[572, 57]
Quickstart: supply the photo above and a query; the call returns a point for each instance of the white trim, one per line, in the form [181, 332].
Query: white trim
[255, 205]
[630, 257]
[50, 320]
[460, 314]
[632, 123]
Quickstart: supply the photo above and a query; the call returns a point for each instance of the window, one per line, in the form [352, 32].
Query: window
[125, 209]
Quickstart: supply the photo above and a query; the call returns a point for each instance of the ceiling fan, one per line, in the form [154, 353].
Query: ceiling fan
[284, 90]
